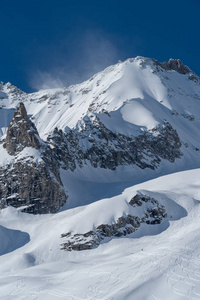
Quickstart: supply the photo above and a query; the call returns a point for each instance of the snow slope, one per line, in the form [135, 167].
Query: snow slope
[141, 92]
[156, 262]
[131, 98]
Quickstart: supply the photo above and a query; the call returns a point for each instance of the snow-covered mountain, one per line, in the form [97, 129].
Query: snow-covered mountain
[139, 119]
[87, 153]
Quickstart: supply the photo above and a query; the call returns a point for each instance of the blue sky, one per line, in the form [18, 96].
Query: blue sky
[57, 43]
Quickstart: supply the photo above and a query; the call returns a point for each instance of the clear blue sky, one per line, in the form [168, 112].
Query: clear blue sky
[53, 43]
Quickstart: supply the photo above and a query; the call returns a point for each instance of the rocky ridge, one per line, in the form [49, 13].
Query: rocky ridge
[174, 64]
[139, 112]
[153, 213]
[99, 146]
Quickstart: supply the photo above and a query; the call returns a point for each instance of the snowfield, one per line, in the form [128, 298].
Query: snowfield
[156, 262]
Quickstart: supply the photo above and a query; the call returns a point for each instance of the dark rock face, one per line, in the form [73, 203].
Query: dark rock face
[21, 132]
[174, 64]
[153, 214]
[105, 149]
[33, 188]
[36, 184]
[66, 149]
[30, 183]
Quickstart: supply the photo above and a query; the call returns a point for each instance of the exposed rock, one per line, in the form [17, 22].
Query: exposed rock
[174, 64]
[28, 182]
[101, 147]
[21, 132]
[31, 183]
[153, 213]
[67, 149]
[33, 188]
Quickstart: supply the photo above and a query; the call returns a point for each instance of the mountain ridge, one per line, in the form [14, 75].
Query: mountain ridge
[138, 113]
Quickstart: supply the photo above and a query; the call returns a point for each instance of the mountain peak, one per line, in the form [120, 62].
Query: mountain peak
[21, 132]
[174, 64]
[21, 112]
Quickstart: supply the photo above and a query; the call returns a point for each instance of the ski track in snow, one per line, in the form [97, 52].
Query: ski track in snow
[145, 267]
[182, 276]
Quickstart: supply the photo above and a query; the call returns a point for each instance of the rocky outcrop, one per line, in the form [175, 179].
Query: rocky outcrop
[174, 64]
[152, 213]
[99, 146]
[31, 181]
[32, 188]
[21, 132]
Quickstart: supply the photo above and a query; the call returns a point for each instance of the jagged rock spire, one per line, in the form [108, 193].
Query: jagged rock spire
[21, 132]
[35, 187]
[21, 112]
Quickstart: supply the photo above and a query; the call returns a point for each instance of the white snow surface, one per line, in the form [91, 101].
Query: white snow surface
[137, 93]
[156, 262]
[136, 113]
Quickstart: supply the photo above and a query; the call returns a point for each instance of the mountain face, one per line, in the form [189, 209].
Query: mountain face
[139, 113]
[31, 179]
[108, 150]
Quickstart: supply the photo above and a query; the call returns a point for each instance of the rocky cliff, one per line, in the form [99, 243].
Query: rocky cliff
[99, 146]
[21, 132]
[31, 180]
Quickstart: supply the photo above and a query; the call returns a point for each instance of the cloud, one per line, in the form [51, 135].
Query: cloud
[45, 80]
[98, 52]
[74, 60]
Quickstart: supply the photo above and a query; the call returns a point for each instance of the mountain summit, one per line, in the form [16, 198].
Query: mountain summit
[21, 132]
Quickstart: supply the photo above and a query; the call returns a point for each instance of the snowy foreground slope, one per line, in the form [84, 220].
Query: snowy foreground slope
[156, 262]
